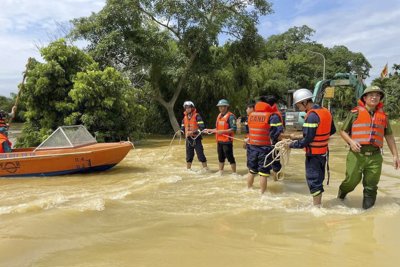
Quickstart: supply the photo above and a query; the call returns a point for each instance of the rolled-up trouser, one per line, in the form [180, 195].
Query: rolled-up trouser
[191, 146]
[315, 173]
[365, 166]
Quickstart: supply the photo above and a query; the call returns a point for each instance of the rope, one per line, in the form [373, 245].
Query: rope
[129, 142]
[193, 139]
[234, 138]
[199, 134]
[172, 140]
[231, 137]
[136, 153]
[327, 167]
[280, 152]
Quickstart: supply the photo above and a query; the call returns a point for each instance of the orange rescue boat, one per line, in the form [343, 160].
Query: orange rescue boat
[68, 150]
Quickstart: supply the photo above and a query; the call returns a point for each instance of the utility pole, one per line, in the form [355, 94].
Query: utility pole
[323, 71]
[323, 57]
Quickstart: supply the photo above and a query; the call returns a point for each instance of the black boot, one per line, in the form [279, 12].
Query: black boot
[341, 195]
[368, 202]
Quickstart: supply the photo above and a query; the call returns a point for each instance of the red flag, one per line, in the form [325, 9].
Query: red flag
[384, 72]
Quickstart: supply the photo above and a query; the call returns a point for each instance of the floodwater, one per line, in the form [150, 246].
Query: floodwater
[150, 211]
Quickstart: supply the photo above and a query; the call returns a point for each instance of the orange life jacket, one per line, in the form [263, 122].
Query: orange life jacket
[319, 145]
[259, 125]
[191, 124]
[3, 139]
[367, 130]
[275, 110]
[223, 124]
[3, 123]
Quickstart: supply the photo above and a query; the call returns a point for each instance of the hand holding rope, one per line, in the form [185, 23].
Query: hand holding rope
[280, 152]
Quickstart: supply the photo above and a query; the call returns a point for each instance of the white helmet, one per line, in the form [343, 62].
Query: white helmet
[301, 94]
[188, 103]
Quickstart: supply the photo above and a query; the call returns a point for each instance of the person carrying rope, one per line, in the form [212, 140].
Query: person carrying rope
[317, 129]
[192, 126]
[224, 132]
[264, 126]
[364, 130]
[277, 129]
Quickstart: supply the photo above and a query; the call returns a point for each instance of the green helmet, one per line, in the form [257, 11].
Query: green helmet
[223, 102]
[373, 88]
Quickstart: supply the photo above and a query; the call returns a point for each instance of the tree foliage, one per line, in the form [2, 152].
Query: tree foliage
[155, 54]
[105, 103]
[391, 86]
[193, 27]
[341, 59]
[344, 100]
[46, 89]
[6, 103]
[69, 88]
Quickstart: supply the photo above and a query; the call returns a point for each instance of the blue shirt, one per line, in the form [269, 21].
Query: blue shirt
[6, 147]
[232, 122]
[276, 128]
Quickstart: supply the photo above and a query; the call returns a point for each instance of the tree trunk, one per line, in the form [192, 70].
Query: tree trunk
[172, 118]
[169, 106]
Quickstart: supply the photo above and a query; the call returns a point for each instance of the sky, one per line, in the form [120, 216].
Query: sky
[371, 27]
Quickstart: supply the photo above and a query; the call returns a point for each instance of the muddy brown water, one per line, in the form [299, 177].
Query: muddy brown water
[150, 211]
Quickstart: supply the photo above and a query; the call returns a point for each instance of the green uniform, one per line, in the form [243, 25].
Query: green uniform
[365, 165]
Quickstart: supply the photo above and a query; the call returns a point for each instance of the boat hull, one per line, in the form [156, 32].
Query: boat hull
[52, 162]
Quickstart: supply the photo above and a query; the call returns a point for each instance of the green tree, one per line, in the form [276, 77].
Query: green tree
[193, 26]
[391, 86]
[226, 73]
[271, 77]
[69, 88]
[105, 103]
[280, 46]
[306, 68]
[341, 59]
[344, 100]
[45, 92]
[6, 103]
[396, 68]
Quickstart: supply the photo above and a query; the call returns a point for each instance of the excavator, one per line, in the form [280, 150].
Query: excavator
[294, 119]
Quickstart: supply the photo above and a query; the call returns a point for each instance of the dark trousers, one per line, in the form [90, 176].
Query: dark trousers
[225, 151]
[256, 158]
[276, 166]
[191, 146]
[315, 173]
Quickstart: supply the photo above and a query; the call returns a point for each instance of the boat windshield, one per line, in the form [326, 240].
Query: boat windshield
[67, 137]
